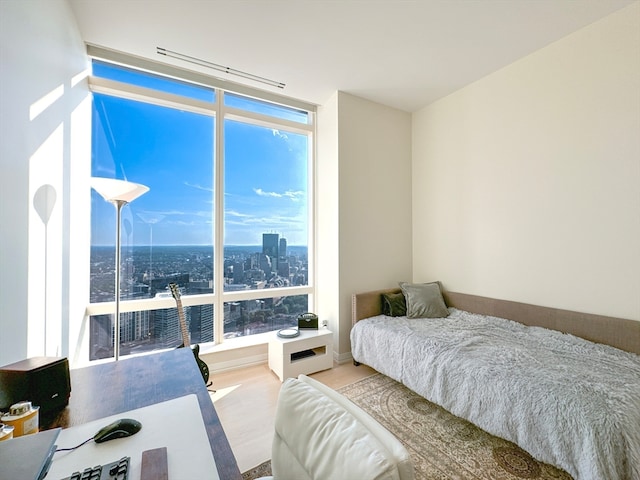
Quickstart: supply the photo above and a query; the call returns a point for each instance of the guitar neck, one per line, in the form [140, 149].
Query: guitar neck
[183, 324]
[204, 369]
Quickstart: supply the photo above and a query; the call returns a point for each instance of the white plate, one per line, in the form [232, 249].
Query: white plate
[288, 332]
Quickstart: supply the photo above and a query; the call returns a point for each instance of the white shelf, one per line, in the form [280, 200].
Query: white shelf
[281, 351]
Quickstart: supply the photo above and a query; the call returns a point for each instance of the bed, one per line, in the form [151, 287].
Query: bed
[562, 385]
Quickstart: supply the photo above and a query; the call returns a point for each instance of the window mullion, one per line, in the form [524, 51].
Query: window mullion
[218, 323]
[266, 121]
[141, 94]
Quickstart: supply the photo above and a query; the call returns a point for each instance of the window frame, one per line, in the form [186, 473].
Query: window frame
[220, 112]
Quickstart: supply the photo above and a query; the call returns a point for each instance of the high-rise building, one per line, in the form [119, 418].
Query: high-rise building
[201, 323]
[134, 326]
[283, 269]
[266, 265]
[238, 272]
[166, 326]
[270, 244]
[282, 252]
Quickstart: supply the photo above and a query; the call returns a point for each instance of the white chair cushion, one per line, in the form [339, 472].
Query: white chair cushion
[322, 435]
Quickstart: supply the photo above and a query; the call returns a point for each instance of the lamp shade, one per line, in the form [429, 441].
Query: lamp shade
[113, 190]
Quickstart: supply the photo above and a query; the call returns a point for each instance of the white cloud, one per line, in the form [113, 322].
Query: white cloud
[233, 213]
[278, 133]
[159, 215]
[294, 195]
[291, 194]
[198, 187]
[262, 193]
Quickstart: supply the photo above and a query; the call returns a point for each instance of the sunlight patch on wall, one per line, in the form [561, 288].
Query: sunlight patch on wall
[79, 77]
[45, 102]
[45, 243]
[75, 331]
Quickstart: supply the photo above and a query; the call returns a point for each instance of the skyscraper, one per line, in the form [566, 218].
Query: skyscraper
[270, 243]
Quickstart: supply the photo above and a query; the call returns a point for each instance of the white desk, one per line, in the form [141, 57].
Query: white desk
[176, 424]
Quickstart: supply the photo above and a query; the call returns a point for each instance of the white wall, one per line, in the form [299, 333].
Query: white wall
[327, 216]
[526, 184]
[374, 151]
[43, 98]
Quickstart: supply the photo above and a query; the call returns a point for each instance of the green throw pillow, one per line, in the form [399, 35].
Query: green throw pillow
[424, 300]
[394, 305]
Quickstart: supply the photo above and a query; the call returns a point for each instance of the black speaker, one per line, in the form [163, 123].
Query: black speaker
[308, 320]
[43, 381]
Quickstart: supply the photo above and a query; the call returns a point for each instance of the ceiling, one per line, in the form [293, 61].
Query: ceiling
[404, 54]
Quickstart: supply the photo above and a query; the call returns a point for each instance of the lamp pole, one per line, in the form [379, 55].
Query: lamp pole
[119, 193]
[116, 327]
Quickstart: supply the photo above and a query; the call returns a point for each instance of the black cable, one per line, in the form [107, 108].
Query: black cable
[73, 448]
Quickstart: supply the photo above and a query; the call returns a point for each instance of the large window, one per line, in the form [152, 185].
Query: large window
[227, 216]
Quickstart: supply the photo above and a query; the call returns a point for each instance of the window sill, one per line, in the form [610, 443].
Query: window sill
[237, 343]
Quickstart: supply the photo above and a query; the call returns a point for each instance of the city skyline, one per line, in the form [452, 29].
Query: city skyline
[191, 269]
[151, 265]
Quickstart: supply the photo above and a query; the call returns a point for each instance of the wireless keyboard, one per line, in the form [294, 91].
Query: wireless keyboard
[118, 470]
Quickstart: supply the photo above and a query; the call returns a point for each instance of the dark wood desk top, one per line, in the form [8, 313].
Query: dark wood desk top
[107, 389]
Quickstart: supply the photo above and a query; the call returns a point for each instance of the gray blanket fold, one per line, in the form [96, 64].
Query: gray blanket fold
[567, 401]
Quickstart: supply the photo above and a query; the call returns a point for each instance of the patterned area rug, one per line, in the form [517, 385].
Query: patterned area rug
[262, 470]
[442, 446]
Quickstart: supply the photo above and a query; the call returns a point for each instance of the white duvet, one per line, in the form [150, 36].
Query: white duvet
[568, 402]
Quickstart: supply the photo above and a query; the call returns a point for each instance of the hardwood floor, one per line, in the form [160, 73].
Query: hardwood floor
[246, 398]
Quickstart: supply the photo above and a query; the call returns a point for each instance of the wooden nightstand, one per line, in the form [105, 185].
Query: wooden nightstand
[309, 352]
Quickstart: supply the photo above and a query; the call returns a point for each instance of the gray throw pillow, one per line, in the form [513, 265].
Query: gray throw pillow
[424, 300]
[394, 305]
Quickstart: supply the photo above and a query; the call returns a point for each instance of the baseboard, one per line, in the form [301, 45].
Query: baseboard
[248, 361]
[340, 358]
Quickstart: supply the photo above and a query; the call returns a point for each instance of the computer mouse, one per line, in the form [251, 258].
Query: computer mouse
[125, 427]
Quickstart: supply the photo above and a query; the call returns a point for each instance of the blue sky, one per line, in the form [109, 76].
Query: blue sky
[172, 152]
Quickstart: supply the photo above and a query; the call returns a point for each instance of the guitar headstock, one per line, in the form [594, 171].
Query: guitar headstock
[175, 291]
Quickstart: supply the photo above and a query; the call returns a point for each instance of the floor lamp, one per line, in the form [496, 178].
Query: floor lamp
[119, 193]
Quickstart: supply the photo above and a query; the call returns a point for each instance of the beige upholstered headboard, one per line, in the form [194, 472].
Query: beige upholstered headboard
[618, 332]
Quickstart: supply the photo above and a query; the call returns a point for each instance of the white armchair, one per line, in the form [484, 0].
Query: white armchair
[321, 435]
